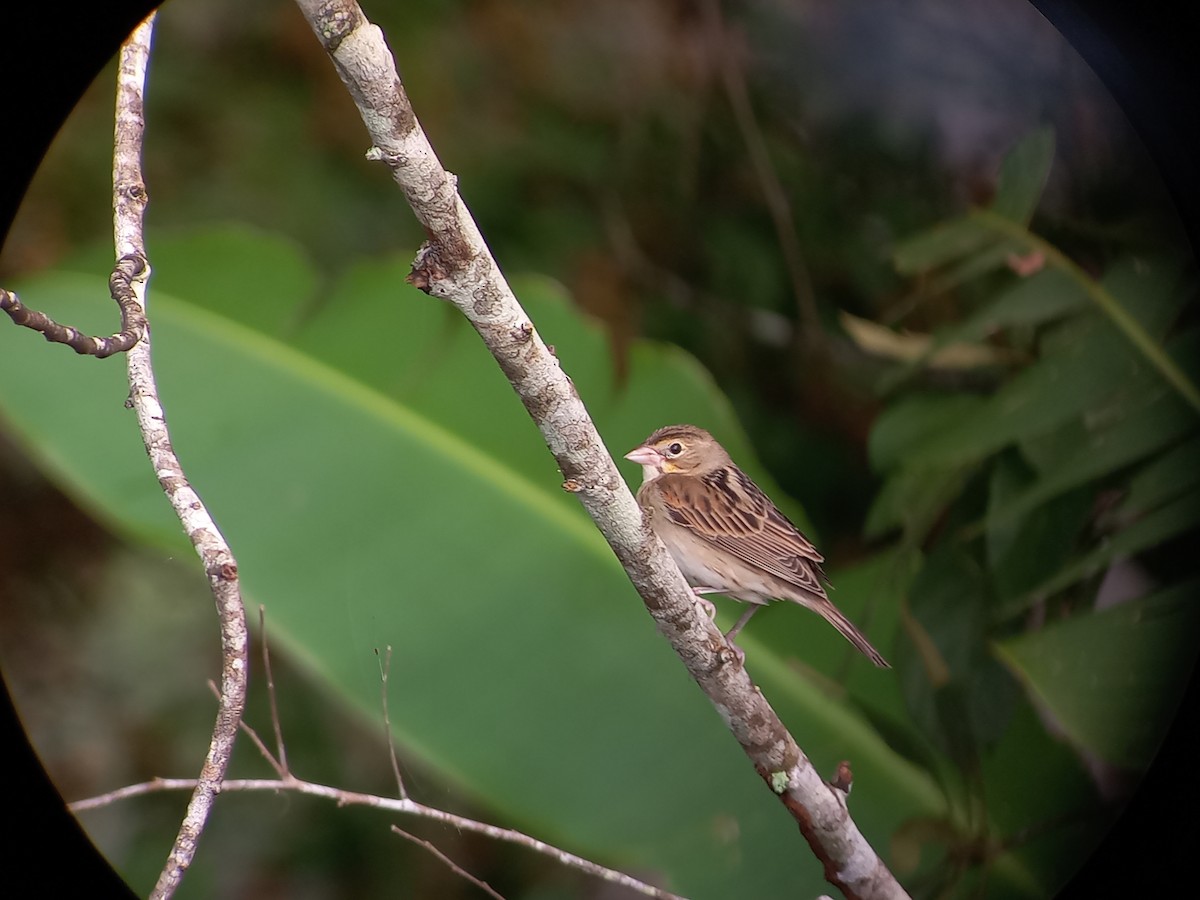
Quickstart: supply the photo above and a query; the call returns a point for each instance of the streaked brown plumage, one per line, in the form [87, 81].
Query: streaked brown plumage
[726, 535]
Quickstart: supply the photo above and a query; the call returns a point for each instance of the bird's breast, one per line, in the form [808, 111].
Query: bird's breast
[704, 565]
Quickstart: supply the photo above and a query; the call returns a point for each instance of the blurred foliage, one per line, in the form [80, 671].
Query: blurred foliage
[990, 422]
[1024, 509]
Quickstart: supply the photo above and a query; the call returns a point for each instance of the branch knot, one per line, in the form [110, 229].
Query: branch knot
[335, 20]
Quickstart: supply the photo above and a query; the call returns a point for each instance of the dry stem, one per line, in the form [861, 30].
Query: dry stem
[129, 203]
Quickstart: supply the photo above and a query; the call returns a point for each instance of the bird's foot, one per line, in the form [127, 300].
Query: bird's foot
[707, 605]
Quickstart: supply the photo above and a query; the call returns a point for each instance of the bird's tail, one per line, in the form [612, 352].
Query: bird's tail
[849, 630]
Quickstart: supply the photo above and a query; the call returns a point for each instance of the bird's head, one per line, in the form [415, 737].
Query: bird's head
[678, 449]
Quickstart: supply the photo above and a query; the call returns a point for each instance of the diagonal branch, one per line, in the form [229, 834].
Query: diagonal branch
[455, 265]
[129, 204]
[448, 862]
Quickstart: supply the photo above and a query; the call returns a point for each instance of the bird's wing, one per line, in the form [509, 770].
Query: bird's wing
[729, 511]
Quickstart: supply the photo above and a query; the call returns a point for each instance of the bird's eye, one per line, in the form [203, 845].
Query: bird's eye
[675, 449]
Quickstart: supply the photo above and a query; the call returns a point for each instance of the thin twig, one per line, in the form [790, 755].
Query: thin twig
[450, 864]
[390, 804]
[129, 204]
[733, 80]
[281, 750]
[287, 781]
[454, 264]
[385, 667]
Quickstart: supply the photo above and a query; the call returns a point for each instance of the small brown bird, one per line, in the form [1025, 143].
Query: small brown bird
[726, 535]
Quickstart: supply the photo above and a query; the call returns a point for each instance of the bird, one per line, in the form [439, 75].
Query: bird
[726, 535]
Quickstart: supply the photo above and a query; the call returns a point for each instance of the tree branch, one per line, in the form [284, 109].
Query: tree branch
[288, 782]
[390, 804]
[133, 320]
[129, 204]
[455, 265]
[448, 862]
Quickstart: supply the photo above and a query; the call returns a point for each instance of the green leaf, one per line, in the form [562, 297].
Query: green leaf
[1087, 366]
[1061, 386]
[1019, 186]
[990, 257]
[1118, 712]
[942, 244]
[1042, 297]
[948, 600]
[1023, 176]
[1127, 315]
[376, 493]
[1148, 291]
[1088, 455]
[1028, 755]
[912, 499]
[904, 425]
[1024, 550]
[1169, 475]
[1169, 521]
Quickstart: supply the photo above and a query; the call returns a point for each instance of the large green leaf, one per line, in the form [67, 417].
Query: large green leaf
[1118, 711]
[381, 486]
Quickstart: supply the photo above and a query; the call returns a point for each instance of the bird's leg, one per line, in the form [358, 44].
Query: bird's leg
[706, 605]
[738, 653]
[741, 623]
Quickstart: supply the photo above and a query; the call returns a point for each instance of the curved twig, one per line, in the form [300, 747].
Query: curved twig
[133, 318]
[129, 204]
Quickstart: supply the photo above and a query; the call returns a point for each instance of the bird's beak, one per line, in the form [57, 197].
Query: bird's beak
[644, 456]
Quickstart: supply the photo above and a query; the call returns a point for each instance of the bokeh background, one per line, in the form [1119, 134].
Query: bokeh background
[759, 184]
